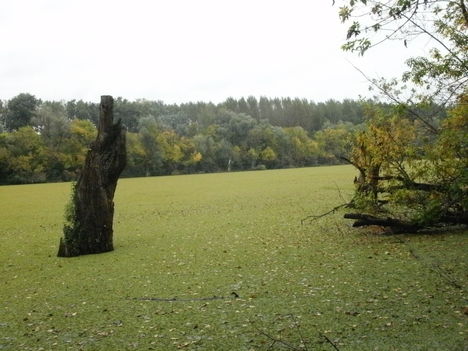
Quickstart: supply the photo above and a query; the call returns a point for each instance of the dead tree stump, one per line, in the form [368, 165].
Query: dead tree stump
[90, 214]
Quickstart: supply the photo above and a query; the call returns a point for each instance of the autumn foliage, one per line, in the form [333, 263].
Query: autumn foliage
[410, 179]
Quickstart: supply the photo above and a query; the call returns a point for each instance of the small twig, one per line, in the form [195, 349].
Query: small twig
[339, 193]
[299, 332]
[394, 99]
[275, 340]
[315, 217]
[272, 344]
[330, 342]
[172, 299]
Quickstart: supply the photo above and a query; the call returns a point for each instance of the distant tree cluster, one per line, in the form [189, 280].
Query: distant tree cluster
[43, 141]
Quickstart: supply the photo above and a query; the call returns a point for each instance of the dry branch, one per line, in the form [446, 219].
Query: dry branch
[315, 217]
[330, 342]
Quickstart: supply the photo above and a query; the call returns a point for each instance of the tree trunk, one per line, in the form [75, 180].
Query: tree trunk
[395, 225]
[89, 228]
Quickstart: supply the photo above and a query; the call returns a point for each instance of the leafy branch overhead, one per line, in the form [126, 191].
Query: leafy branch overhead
[443, 71]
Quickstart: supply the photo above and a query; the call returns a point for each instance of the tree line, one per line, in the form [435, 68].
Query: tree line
[42, 141]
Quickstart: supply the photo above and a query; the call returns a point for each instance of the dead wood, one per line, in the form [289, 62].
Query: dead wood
[90, 228]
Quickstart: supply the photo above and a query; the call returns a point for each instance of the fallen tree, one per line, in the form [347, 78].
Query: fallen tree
[405, 182]
[412, 160]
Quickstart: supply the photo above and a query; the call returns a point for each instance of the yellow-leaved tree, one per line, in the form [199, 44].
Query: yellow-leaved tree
[413, 158]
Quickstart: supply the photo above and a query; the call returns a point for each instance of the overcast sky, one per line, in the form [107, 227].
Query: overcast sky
[183, 50]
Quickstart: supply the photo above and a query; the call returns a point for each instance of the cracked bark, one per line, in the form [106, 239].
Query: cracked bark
[91, 230]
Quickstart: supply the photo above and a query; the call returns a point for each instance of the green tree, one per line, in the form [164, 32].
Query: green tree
[206, 146]
[334, 143]
[20, 111]
[23, 155]
[265, 109]
[191, 156]
[304, 151]
[251, 156]
[268, 156]
[239, 126]
[243, 106]
[81, 133]
[136, 161]
[51, 121]
[83, 110]
[5, 158]
[2, 117]
[169, 142]
[149, 131]
[253, 107]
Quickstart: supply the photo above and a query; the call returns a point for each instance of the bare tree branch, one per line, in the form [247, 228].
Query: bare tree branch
[394, 99]
[315, 217]
[276, 340]
[410, 19]
[330, 342]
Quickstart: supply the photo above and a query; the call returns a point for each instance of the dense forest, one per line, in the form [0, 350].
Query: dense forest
[43, 141]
